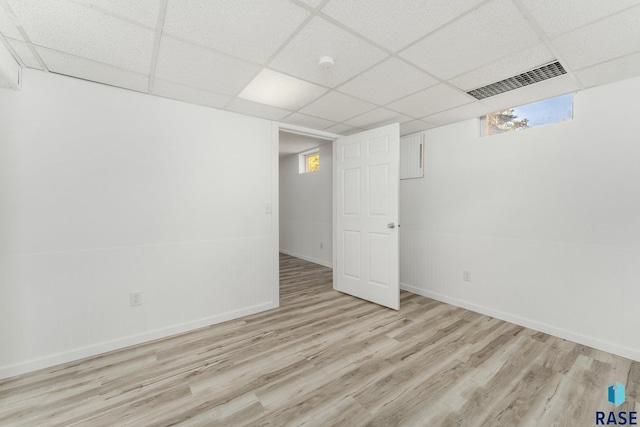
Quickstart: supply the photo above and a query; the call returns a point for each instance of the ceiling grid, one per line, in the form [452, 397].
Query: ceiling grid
[408, 62]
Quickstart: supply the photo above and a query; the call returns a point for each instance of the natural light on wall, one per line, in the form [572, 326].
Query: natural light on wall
[552, 110]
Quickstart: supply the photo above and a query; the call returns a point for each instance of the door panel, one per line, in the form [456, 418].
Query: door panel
[366, 249]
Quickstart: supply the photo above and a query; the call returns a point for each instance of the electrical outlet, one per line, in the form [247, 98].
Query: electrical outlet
[321, 245]
[466, 276]
[135, 298]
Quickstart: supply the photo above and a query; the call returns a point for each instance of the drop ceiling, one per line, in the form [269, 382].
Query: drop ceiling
[405, 61]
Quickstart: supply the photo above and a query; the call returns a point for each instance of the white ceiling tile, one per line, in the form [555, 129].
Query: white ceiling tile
[4, 82]
[610, 71]
[391, 80]
[255, 109]
[308, 121]
[280, 90]
[25, 54]
[82, 31]
[376, 118]
[312, 3]
[414, 126]
[144, 12]
[468, 111]
[319, 38]
[8, 27]
[557, 17]
[86, 69]
[532, 93]
[192, 95]
[493, 31]
[252, 30]
[430, 101]
[194, 66]
[342, 129]
[518, 63]
[394, 25]
[337, 107]
[610, 38]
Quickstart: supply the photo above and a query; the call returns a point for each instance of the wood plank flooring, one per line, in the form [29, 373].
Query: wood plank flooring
[328, 359]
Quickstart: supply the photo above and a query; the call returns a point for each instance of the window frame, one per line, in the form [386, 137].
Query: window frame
[302, 160]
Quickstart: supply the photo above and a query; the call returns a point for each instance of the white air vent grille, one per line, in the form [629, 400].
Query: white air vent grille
[545, 72]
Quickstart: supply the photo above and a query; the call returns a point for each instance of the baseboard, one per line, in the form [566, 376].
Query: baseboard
[104, 347]
[529, 323]
[307, 258]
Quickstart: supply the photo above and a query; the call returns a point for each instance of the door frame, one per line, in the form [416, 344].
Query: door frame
[276, 127]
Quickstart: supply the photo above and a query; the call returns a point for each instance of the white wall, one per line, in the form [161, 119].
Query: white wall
[105, 191]
[306, 206]
[547, 220]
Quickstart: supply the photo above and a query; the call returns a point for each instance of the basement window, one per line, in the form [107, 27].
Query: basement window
[548, 111]
[309, 161]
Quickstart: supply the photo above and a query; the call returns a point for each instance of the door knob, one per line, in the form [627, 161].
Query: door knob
[391, 225]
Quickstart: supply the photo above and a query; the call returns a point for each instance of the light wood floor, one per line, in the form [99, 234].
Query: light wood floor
[324, 358]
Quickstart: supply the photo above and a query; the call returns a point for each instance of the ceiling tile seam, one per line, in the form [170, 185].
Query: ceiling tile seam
[98, 82]
[606, 61]
[387, 105]
[383, 60]
[180, 100]
[494, 61]
[210, 49]
[13, 85]
[23, 33]
[546, 40]
[354, 33]
[162, 12]
[111, 14]
[308, 7]
[595, 21]
[341, 93]
[444, 25]
[266, 64]
[391, 53]
[289, 39]
[5, 43]
[360, 114]
[195, 88]
[407, 62]
[404, 114]
[306, 114]
[399, 121]
[451, 109]
[34, 46]
[635, 52]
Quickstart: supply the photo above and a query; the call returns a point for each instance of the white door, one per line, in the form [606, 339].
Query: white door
[366, 215]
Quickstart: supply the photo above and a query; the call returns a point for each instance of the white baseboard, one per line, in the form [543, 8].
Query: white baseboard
[529, 323]
[104, 347]
[307, 258]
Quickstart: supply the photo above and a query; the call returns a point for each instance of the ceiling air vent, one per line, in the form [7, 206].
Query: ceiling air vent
[545, 72]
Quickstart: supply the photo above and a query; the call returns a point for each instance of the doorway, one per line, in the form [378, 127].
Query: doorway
[353, 205]
[306, 197]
